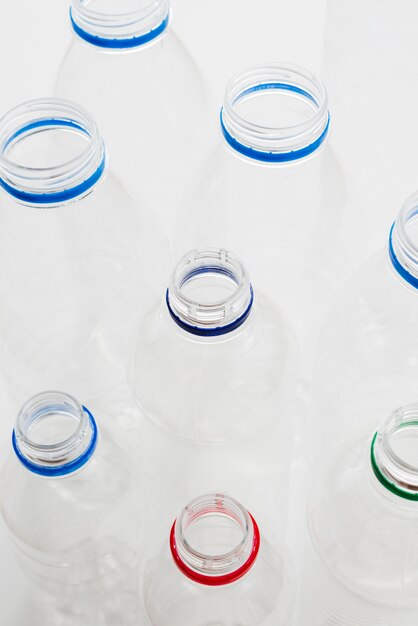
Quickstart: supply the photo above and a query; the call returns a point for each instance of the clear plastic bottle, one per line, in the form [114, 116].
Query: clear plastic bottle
[367, 357]
[70, 498]
[74, 249]
[361, 568]
[273, 192]
[218, 570]
[369, 45]
[127, 66]
[214, 373]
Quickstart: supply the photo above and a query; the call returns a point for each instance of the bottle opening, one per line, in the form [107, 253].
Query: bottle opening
[122, 25]
[54, 435]
[394, 452]
[275, 113]
[50, 152]
[403, 242]
[209, 292]
[215, 541]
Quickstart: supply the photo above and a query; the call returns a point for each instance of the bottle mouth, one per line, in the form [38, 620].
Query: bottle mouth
[50, 152]
[215, 541]
[54, 435]
[209, 293]
[275, 113]
[134, 24]
[403, 242]
[394, 452]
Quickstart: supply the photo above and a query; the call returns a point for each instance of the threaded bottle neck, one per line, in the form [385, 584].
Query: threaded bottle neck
[394, 452]
[275, 113]
[403, 243]
[54, 435]
[215, 541]
[209, 292]
[51, 153]
[133, 23]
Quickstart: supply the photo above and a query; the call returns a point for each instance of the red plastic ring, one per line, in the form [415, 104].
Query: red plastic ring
[224, 579]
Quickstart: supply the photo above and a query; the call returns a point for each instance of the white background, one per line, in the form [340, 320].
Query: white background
[222, 35]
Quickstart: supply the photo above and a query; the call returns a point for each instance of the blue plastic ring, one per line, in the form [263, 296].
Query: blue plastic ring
[58, 196]
[275, 157]
[211, 332]
[131, 42]
[412, 280]
[60, 470]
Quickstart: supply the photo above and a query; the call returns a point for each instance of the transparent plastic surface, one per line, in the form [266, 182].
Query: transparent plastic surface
[217, 404]
[368, 60]
[74, 255]
[367, 355]
[214, 536]
[273, 192]
[70, 502]
[361, 566]
[149, 100]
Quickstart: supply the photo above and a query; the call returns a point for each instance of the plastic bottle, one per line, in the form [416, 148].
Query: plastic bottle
[367, 357]
[74, 249]
[127, 66]
[70, 499]
[370, 45]
[361, 567]
[273, 192]
[214, 373]
[218, 569]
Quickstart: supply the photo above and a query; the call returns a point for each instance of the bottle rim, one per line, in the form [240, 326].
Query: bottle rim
[119, 31]
[395, 473]
[64, 456]
[204, 568]
[403, 251]
[63, 181]
[221, 316]
[275, 144]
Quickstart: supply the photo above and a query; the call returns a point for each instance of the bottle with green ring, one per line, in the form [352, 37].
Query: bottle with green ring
[360, 562]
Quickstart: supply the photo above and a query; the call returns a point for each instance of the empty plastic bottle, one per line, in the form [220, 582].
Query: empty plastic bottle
[74, 249]
[214, 373]
[70, 498]
[126, 65]
[369, 46]
[273, 192]
[367, 357]
[217, 569]
[361, 568]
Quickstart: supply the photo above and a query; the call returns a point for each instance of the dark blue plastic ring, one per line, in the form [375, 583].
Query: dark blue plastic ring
[412, 280]
[58, 196]
[275, 157]
[211, 332]
[60, 470]
[131, 42]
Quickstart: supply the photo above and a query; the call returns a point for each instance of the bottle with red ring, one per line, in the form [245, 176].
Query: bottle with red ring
[217, 569]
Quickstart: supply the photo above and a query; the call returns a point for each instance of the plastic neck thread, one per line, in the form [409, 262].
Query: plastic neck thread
[214, 569]
[279, 143]
[390, 460]
[124, 30]
[206, 271]
[62, 182]
[403, 250]
[54, 435]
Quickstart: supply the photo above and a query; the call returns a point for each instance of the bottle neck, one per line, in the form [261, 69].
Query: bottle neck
[135, 24]
[54, 435]
[403, 243]
[394, 453]
[215, 541]
[209, 293]
[275, 113]
[51, 153]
